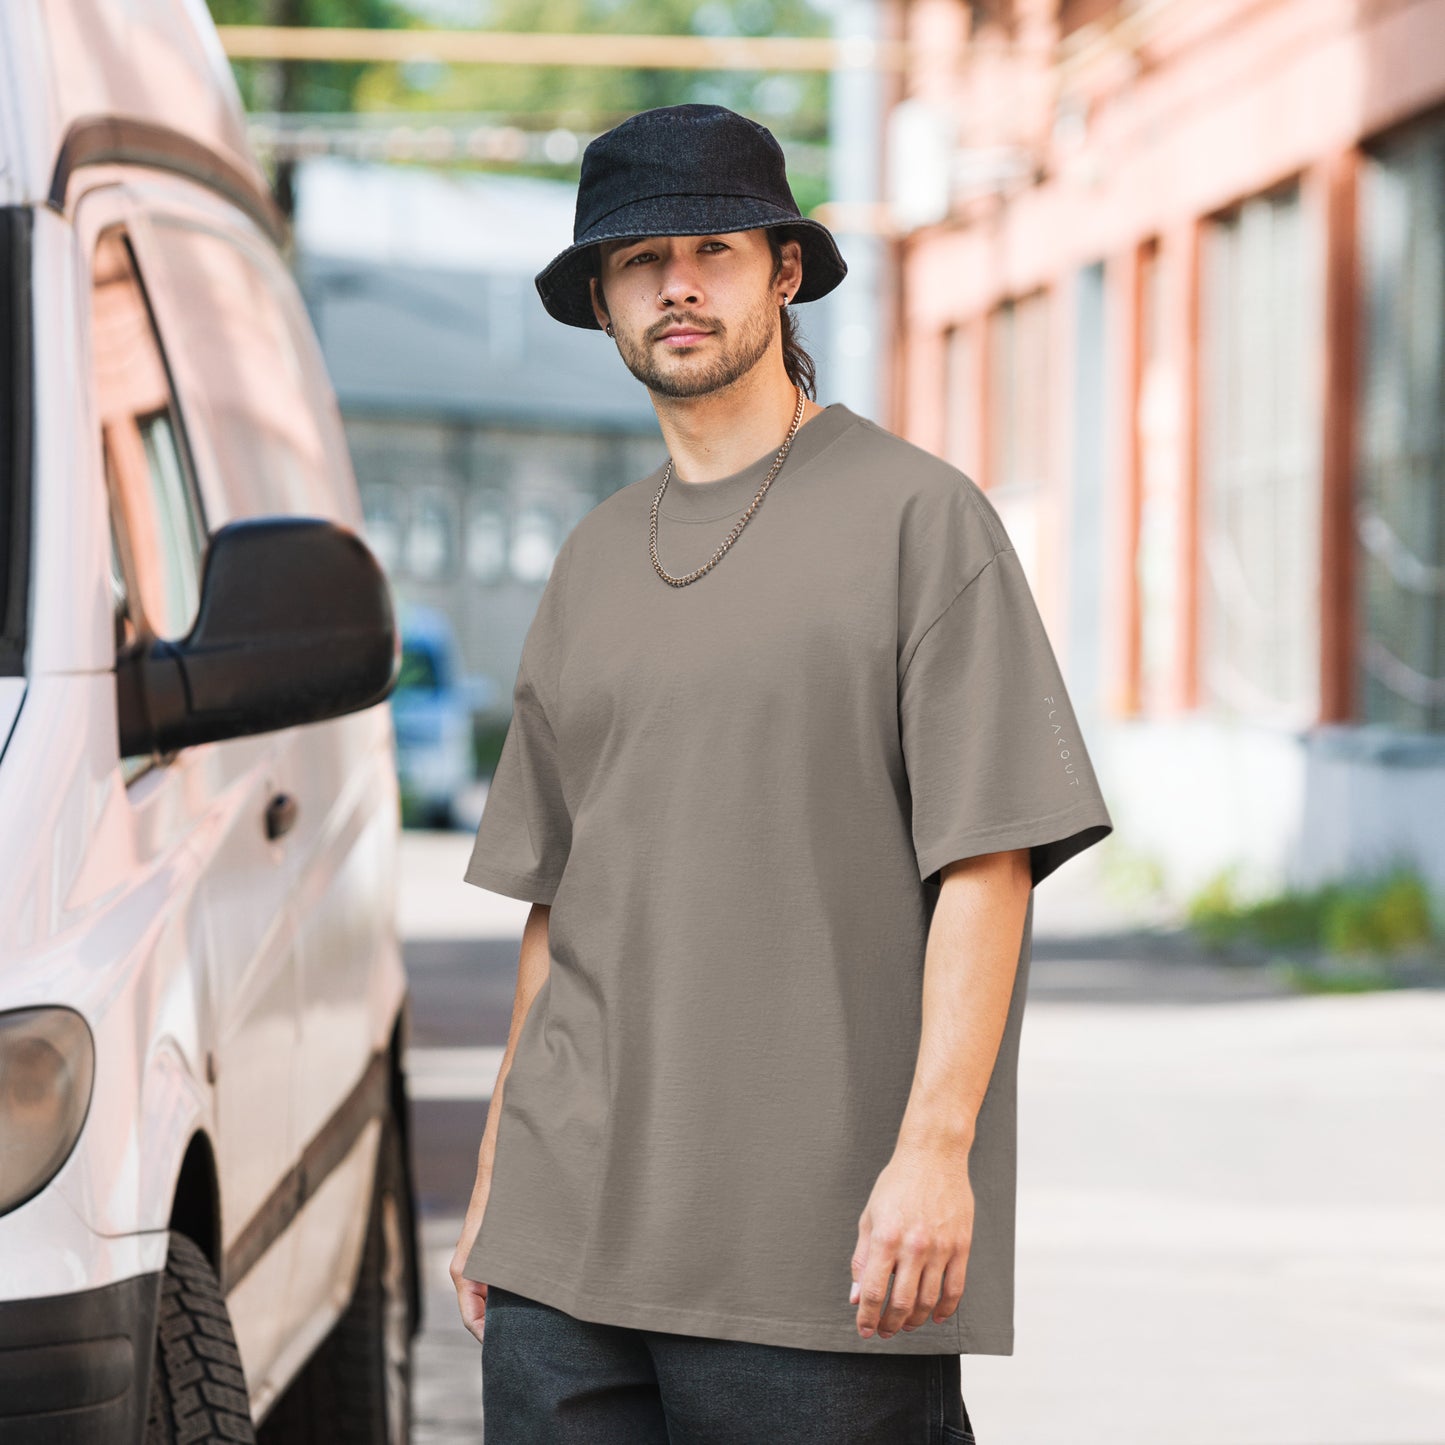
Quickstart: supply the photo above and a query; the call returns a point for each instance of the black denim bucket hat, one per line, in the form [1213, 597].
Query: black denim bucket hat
[681, 170]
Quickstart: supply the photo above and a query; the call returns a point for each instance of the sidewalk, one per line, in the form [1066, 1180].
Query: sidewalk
[1231, 1198]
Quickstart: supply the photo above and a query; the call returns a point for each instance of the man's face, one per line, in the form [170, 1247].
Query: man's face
[718, 288]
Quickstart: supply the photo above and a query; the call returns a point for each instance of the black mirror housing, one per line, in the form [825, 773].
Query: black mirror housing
[295, 625]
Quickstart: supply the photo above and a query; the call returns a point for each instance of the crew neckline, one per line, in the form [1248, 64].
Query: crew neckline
[724, 496]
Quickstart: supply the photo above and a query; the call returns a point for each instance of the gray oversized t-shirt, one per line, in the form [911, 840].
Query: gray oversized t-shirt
[736, 796]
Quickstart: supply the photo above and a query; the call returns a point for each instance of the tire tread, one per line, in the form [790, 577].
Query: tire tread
[198, 1387]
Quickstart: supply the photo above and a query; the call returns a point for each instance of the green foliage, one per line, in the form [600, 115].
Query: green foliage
[488, 735]
[1389, 917]
[793, 104]
[1214, 912]
[1130, 876]
[1369, 917]
[598, 97]
[1359, 979]
[304, 85]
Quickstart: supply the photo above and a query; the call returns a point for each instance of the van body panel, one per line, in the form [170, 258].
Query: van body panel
[351, 973]
[70, 608]
[320, 1295]
[162, 913]
[342, 895]
[247, 966]
[238, 985]
[12, 694]
[159, 61]
[29, 112]
[52, 1251]
[260, 332]
[105, 919]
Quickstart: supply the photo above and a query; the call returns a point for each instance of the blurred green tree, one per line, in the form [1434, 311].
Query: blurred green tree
[303, 85]
[601, 96]
[792, 103]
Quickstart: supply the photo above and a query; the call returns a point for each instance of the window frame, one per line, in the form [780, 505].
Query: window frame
[122, 547]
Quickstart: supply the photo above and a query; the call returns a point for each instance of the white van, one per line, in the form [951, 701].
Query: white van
[206, 1208]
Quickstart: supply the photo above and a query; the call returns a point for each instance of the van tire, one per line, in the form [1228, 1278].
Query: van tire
[356, 1389]
[197, 1387]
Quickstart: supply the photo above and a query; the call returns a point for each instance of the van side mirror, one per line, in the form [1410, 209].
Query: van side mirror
[295, 625]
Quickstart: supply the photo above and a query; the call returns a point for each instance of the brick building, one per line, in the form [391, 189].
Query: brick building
[1179, 305]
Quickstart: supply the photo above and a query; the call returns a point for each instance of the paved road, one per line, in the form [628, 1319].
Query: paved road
[1232, 1201]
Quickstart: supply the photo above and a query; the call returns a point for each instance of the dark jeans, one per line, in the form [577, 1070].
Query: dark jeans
[551, 1379]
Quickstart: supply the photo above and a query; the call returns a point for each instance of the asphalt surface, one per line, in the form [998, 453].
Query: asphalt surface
[1231, 1198]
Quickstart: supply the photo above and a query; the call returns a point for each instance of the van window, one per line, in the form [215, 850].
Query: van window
[261, 391]
[127, 634]
[158, 531]
[123, 622]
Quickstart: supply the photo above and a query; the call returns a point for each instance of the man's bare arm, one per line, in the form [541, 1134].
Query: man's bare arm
[533, 964]
[968, 980]
[918, 1224]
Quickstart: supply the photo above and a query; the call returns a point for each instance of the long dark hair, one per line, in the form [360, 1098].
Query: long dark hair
[802, 370]
[797, 362]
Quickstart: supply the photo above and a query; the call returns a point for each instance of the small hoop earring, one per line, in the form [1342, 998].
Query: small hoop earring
[609, 328]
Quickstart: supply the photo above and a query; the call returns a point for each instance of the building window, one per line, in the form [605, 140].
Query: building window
[1158, 418]
[536, 537]
[486, 544]
[1259, 427]
[1400, 508]
[960, 398]
[1019, 394]
[383, 526]
[428, 553]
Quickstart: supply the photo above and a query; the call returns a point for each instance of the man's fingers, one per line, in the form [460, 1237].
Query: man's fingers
[907, 1270]
[952, 1290]
[882, 1255]
[859, 1262]
[472, 1301]
[930, 1281]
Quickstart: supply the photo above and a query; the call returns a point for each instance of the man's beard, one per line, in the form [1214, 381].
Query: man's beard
[696, 377]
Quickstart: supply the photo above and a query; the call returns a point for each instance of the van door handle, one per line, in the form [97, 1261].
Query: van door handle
[280, 815]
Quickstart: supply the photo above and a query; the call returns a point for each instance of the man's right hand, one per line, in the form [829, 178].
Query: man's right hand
[471, 1295]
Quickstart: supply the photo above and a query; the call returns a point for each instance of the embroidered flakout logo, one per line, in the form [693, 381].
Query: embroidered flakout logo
[1063, 746]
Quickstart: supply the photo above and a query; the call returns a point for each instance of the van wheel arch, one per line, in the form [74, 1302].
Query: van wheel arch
[196, 1200]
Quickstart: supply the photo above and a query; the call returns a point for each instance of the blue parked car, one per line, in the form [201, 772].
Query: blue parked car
[432, 710]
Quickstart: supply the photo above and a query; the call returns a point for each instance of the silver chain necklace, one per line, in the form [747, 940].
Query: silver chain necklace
[742, 521]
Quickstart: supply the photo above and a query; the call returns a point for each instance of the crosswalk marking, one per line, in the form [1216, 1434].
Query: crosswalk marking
[460, 1073]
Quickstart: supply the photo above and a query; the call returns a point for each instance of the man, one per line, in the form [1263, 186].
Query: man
[789, 749]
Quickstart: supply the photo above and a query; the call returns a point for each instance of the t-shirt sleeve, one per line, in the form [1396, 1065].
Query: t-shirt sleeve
[993, 752]
[525, 833]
